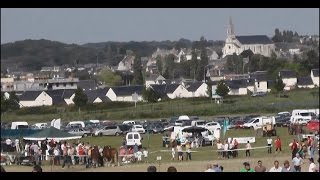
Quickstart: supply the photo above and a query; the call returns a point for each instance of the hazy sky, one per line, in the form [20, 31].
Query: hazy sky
[98, 25]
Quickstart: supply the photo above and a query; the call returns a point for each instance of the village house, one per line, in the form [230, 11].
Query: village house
[171, 91]
[35, 98]
[237, 87]
[198, 89]
[154, 79]
[125, 93]
[289, 79]
[61, 96]
[97, 96]
[258, 82]
[7, 84]
[258, 44]
[305, 82]
[126, 64]
[315, 76]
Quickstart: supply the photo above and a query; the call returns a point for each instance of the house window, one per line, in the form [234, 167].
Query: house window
[71, 84]
[229, 47]
[64, 84]
[258, 84]
[57, 84]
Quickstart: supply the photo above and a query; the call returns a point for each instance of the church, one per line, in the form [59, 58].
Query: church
[258, 44]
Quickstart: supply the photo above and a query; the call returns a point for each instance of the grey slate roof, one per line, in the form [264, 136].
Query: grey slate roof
[59, 95]
[98, 93]
[165, 88]
[29, 95]
[304, 81]
[259, 76]
[315, 72]
[287, 74]
[127, 90]
[87, 84]
[236, 84]
[194, 86]
[255, 39]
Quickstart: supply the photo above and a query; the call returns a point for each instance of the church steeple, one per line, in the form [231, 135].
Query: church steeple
[230, 30]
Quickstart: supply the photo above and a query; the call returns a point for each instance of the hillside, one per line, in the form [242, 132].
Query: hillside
[31, 55]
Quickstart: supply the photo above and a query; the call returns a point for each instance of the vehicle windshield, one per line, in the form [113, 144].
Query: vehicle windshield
[306, 114]
[251, 120]
[201, 123]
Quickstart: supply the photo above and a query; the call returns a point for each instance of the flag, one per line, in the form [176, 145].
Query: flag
[225, 126]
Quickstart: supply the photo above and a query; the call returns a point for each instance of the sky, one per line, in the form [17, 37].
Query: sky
[82, 26]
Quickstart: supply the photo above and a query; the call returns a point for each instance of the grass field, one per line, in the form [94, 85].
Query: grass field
[301, 98]
[199, 161]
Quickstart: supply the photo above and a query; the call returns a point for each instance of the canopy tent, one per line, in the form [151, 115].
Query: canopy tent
[17, 133]
[51, 133]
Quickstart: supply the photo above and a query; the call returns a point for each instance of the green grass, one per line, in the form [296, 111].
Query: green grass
[301, 98]
[204, 153]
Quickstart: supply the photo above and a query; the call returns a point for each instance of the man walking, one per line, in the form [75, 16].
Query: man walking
[269, 143]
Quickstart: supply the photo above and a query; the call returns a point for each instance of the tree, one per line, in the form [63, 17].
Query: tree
[278, 85]
[194, 64]
[209, 88]
[159, 64]
[150, 95]
[203, 61]
[80, 98]
[13, 101]
[170, 66]
[110, 78]
[137, 71]
[4, 103]
[277, 36]
[222, 89]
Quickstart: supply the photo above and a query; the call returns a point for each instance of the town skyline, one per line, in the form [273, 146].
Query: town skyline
[80, 26]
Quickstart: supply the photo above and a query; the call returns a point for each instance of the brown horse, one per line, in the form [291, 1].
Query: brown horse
[110, 155]
[95, 156]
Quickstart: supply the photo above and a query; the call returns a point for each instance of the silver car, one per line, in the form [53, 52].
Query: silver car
[108, 131]
[80, 132]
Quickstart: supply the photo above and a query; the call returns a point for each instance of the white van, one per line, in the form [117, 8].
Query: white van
[259, 121]
[129, 122]
[76, 123]
[302, 116]
[19, 125]
[198, 123]
[133, 138]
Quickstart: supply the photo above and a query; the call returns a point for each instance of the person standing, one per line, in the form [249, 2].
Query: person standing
[297, 162]
[246, 168]
[276, 167]
[248, 147]
[173, 152]
[220, 149]
[277, 144]
[260, 167]
[312, 166]
[180, 153]
[188, 151]
[287, 168]
[17, 144]
[269, 144]
[294, 148]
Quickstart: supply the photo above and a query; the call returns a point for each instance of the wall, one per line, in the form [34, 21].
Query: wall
[201, 91]
[261, 86]
[111, 95]
[70, 100]
[290, 83]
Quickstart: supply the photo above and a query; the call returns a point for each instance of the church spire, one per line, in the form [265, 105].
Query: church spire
[230, 28]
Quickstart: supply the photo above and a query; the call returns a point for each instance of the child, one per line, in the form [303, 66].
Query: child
[248, 147]
[145, 154]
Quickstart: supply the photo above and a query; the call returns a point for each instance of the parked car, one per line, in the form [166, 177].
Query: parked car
[138, 128]
[153, 128]
[112, 130]
[282, 121]
[80, 132]
[125, 128]
[212, 126]
[259, 94]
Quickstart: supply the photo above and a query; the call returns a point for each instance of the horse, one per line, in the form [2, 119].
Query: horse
[110, 155]
[95, 156]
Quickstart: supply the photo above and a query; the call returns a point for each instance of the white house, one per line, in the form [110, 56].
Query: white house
[125, 93]
[294, 51]
[171, 91]
[258, 82]
[289, 79]
[97, 96]
[61, 96]
[258, 44]
[237, 87]
[315, 77]
[154, 79]
[198, 89]
[126, 64]
[305, 82]
[35, 98]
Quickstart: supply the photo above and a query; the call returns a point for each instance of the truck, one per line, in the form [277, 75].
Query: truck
[258, 122]
[19, 125]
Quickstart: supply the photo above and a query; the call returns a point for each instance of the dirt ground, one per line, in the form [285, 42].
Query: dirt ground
[230, 165]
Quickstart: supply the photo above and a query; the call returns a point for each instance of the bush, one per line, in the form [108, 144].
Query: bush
[37, 110]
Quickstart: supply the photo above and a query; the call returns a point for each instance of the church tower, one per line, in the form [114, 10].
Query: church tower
[230, 30]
